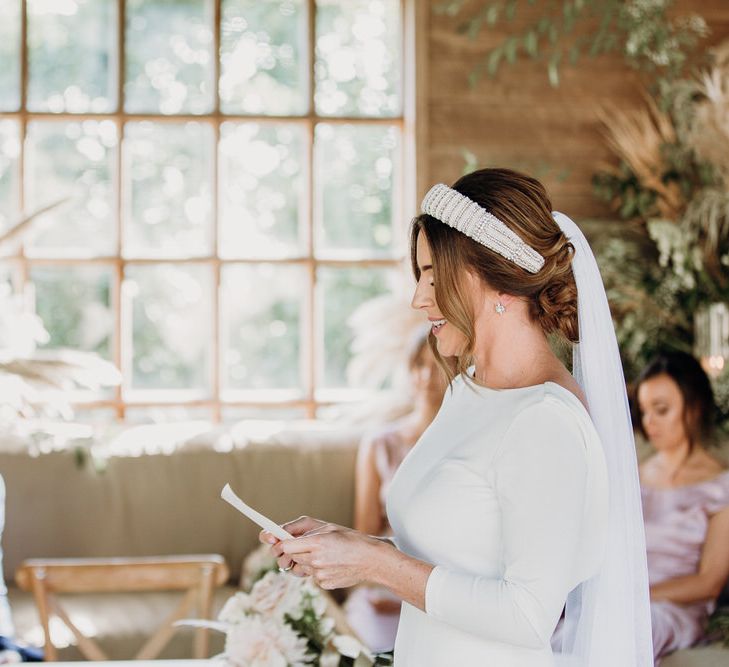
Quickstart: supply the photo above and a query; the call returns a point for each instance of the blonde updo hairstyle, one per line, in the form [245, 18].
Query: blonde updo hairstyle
[522, 204]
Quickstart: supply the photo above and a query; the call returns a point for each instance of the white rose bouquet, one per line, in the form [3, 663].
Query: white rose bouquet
[284, 621]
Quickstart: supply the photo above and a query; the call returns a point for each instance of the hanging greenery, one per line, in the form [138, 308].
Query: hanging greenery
[565, 31]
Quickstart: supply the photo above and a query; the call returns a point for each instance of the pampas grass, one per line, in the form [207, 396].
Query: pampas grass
[384, 329]
[637, 137]
[23, 225]
[709, 132]
[644, 138]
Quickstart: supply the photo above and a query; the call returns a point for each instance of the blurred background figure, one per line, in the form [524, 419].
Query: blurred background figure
[685, 492]
[6, 623]
[374, 612]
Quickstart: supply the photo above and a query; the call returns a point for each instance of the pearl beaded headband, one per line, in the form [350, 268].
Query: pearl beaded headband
[458, 211]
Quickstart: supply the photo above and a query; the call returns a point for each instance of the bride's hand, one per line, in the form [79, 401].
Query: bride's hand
[335, 556]
[297, 527]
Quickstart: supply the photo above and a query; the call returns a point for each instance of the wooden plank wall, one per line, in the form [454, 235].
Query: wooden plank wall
[517, 119]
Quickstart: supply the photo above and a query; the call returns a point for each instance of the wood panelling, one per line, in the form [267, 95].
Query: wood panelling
[517, 119]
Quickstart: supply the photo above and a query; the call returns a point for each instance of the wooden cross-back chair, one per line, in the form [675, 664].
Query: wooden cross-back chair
[198, 575]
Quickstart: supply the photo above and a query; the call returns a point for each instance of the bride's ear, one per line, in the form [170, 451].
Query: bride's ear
[475, 287]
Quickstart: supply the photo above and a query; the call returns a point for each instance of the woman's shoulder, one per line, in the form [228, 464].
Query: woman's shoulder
[706, 470]
[382, 437]
[707, 485]
[719, 493]
[555, 402]
[385, 446]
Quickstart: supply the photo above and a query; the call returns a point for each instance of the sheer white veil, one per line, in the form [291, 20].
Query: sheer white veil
[607, 618]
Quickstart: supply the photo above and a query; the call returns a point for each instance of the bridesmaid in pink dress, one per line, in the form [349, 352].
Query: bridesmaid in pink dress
[374, 612]
[685, 492]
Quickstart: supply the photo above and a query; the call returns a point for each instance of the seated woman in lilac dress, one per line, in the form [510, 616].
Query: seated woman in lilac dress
[374, 612]
[685, 493]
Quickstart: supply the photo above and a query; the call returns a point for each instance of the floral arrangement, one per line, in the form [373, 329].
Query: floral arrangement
[671, 185]
[284, 621]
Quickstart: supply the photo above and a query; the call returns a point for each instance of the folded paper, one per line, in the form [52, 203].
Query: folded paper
[229, 496]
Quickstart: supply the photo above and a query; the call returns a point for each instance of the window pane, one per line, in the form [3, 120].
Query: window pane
[356, 170]
[99, 420]
[169, 56]
[10, 55]
[6, 277]
[250, 431]
[261, 306]
[167, 174]
[71, 46]
[340, 292]
[263, 57]
[261, 190]
[358, 57]
[169, 415]
[75, 306]
[171, 323]
[72, 160]
[9, 152]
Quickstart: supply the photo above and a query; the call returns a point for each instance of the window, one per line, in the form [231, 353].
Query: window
[223, 214]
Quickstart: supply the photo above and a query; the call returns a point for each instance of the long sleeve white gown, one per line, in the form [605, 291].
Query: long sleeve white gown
[506, 494]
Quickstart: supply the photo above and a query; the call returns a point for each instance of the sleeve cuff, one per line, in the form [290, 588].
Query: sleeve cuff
[433, 587]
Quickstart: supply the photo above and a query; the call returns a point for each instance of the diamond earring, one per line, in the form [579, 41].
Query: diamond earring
[500, 308]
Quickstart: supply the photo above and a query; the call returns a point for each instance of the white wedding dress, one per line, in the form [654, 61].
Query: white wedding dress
[506, 494]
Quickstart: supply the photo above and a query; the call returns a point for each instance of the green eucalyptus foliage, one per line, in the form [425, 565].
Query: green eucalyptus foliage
[566, 31]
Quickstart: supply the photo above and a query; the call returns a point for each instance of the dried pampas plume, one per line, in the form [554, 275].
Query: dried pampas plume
[22, 226]
[709, 136]
[384, 329]
[637, 137]
[709, 131]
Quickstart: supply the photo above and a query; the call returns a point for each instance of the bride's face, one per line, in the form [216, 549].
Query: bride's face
[450, 341]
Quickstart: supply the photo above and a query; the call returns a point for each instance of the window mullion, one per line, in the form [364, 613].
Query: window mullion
[217, 22]
[22, 272]
[216, 355]
[118, 343]
[23, 55]
[310, 348]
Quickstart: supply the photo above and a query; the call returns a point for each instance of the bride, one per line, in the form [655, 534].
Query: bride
[519, 505]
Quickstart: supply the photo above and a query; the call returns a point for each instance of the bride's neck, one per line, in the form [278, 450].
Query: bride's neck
[517, 356]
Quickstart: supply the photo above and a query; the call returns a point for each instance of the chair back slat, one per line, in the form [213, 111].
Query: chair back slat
[104, 575]
[196, 574]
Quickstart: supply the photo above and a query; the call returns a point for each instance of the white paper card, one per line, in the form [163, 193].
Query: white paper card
[229, 496]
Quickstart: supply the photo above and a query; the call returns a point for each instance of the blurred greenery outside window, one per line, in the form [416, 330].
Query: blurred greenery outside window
[235, 179]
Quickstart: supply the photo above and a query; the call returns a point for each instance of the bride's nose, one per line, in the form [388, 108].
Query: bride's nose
[423, 296]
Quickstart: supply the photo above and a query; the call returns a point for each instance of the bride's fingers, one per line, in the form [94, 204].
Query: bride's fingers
[267, 538]
[285, 562]
[297, 546]
[302, 570]
[301, 559]
[321, 530]
[302, 525]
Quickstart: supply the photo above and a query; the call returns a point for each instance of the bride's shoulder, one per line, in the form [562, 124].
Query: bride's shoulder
[567, 382]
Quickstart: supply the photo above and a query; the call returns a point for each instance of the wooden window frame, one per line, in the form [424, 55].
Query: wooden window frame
[412, 127]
